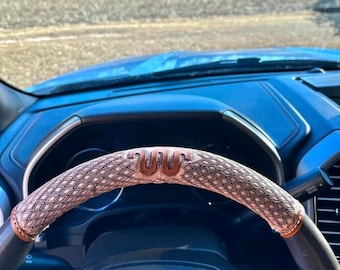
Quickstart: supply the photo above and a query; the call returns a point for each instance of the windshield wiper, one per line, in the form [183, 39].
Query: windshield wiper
[224, 67]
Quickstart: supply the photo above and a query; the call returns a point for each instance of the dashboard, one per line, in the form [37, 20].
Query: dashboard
[281, 125]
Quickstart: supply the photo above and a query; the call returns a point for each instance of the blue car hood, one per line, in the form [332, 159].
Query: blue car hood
[166, 61]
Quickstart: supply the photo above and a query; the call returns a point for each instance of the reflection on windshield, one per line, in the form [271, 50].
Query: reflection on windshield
[43, 39]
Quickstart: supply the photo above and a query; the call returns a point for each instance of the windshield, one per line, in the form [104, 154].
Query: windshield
[42, 39]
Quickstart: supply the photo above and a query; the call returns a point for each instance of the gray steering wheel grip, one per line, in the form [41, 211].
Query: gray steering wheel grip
[175, 165]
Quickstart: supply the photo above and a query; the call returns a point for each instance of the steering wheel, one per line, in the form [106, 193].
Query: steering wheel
[159, 165]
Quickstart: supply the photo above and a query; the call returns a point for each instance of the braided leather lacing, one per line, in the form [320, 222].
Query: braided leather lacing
[157, 165]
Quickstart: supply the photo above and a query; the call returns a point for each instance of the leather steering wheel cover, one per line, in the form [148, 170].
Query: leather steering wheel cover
[157, 165]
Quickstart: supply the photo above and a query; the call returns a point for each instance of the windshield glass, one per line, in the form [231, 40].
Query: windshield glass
[41, 39]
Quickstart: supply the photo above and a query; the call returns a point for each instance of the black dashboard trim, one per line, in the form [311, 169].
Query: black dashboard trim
[45, 145]
[260, 137]
[322, 154]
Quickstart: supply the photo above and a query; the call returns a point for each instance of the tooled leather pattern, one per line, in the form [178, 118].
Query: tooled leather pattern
[150, 162]
[157, 165]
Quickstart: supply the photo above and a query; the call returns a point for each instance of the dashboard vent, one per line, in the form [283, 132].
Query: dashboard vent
[328, 210]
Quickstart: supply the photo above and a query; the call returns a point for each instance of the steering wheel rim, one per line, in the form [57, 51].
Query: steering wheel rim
[171, 165]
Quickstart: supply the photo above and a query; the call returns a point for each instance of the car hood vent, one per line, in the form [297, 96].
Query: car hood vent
[328, 210]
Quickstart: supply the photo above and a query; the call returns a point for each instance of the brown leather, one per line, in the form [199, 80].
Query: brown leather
[157, 165]
[149, 165]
